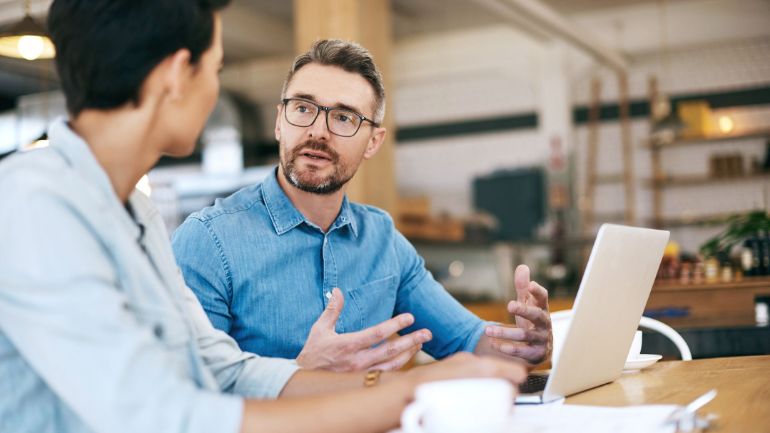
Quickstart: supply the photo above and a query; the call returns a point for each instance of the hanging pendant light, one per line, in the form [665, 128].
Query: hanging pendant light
[26, 39]
[667, 125]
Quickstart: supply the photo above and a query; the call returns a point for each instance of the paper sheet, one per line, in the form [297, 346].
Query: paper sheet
[594, 419]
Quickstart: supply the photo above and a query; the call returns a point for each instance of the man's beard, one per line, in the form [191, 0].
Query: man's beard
[305, 180]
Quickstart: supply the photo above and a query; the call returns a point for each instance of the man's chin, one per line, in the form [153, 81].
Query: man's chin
[316, 185]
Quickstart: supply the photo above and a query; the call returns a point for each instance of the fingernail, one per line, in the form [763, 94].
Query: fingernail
[489, 332]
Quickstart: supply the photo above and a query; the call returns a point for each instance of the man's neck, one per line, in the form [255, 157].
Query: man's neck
[320, 209]
[120, 144]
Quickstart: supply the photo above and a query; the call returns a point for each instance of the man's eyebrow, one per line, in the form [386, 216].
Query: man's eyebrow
[312, 98]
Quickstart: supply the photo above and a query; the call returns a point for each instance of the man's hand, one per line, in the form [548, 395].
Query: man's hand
[531, 339]
[327, 350]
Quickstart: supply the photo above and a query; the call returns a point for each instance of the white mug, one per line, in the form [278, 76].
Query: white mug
[636, 346]
[459, 406]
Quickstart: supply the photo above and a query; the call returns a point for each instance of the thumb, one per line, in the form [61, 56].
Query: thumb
[328, 318]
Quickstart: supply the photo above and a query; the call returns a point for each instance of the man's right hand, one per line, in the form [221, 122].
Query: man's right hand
[325, 349]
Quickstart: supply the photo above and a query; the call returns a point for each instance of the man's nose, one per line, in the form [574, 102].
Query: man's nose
[319, 129]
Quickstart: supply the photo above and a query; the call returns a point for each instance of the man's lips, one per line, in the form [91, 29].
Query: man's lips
[314, 154]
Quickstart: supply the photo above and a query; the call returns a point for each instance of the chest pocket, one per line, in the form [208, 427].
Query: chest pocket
[373, 302]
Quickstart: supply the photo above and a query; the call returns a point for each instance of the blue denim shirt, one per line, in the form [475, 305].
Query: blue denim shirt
[98, 332]
[263, 273]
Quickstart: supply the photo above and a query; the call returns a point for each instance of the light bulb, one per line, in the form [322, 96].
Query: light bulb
[31, 47]
[726, 124]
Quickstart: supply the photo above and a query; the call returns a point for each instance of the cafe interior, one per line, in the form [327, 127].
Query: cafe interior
[516, 129]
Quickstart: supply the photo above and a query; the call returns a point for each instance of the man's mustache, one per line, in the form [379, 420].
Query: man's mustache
[317, 146]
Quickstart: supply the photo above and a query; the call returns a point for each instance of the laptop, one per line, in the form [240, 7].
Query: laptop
[606, 313]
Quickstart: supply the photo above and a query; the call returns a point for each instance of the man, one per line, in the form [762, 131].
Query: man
[267, 261]
[97, 331]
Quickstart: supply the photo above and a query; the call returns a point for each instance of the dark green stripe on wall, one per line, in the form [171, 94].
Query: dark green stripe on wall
[609, 112]
[481, 126]
[641, 108]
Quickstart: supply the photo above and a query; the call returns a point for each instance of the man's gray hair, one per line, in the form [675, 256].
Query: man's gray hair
[349, 56]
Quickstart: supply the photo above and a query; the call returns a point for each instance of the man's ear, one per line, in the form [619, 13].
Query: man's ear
[375, 142]
[278, 122]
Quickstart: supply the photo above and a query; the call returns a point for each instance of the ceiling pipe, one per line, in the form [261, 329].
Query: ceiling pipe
[543, 18]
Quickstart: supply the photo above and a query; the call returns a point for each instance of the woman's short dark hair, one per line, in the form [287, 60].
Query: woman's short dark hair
[106, 48]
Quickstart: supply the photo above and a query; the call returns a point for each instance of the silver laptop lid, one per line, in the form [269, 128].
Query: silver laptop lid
[608, 306]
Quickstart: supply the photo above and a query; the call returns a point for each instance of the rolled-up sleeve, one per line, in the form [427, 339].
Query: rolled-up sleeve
[454, 328]
[236, 371]
[63, 310]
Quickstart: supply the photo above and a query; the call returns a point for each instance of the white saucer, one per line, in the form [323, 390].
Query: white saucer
[641, 361]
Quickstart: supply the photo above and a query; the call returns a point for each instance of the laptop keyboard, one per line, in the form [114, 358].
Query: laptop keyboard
[534, 383]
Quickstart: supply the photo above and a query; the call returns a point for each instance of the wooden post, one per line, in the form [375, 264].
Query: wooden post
[368, 23]
[657, 168]
[593, 144]
[628, 151]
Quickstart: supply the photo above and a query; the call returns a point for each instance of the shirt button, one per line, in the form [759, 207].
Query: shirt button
[328, 296]
[158, 330]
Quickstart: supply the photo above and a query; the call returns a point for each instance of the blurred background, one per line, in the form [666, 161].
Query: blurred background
[516, 128]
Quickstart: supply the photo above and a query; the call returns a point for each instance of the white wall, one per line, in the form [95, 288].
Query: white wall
[490, 72]
[713, 46]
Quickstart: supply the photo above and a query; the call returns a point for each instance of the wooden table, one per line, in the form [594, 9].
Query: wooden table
[742, 383]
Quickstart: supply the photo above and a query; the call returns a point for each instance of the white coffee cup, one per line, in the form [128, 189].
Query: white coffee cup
[636, 346]
[459, 406]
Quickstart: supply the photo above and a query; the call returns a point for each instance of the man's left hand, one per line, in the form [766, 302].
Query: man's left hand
[531, 338]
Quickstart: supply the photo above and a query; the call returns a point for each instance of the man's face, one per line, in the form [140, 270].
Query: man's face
[312, 158]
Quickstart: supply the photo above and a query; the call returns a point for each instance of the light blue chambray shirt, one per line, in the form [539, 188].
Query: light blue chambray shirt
[98, 332]
[263, 273]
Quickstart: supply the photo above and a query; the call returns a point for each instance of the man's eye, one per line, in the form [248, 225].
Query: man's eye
[345, 118]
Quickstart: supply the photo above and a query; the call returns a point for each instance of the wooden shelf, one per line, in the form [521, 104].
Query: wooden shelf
[706, 220]
[606, 179]
[745, 283]
[758, 133]
[707, 305]
[676, 181]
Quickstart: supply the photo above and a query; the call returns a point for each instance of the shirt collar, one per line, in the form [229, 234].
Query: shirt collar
[285, 216]
[78, 154]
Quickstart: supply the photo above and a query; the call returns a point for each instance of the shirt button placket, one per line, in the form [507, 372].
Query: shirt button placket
[326, 290]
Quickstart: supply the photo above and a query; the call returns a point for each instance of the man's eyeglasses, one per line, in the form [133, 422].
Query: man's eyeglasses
[303, 113]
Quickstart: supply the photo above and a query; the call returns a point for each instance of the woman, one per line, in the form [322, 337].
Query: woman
[97, 330]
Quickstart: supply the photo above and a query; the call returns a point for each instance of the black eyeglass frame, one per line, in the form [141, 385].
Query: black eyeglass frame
[326, 110]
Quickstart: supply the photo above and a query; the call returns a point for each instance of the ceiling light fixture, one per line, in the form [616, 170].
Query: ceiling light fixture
[26, 39]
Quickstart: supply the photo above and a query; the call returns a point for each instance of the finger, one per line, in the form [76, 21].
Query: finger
[521, 280]
[521, 283]
[397, 362]
[533, 315]
[330, 315]
[393, 348]
[521, 335]
[377, 333]
[539, 294]
[531, 354]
